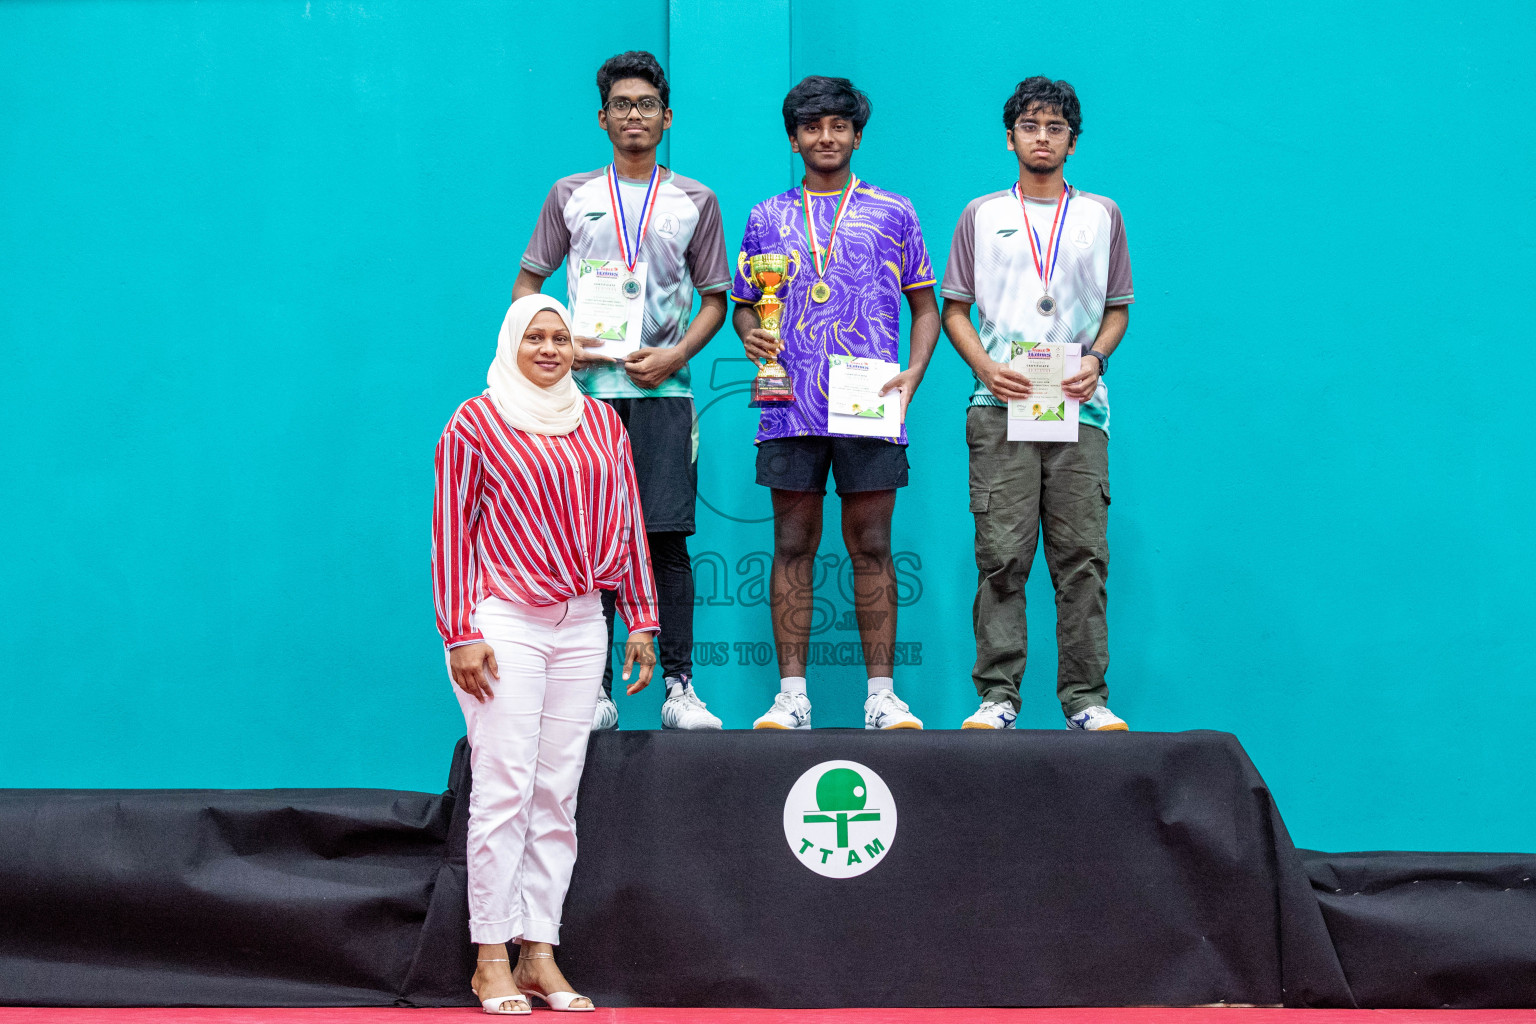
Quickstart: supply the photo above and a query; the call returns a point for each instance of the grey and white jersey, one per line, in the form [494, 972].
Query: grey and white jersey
[991, 264]
[684, 251]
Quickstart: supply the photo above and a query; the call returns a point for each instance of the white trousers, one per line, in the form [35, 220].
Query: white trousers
[527, 748]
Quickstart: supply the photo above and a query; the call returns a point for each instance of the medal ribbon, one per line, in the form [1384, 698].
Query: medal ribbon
[810, 225]
[631, 257]
[1047, 268]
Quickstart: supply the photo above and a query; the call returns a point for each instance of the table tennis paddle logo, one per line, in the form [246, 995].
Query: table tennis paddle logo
[840, 819]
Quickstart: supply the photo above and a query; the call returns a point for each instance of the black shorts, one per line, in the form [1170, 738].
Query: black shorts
[661, 435]
[858, 463]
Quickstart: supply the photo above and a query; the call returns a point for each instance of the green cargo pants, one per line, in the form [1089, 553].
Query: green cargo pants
[1015, 487]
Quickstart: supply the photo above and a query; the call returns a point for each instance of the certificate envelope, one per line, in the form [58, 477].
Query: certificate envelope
[1047, 414]
[602, 310]
[854, 403]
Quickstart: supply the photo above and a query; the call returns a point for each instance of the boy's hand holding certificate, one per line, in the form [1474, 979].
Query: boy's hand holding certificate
[854, 402]
[1047, 414]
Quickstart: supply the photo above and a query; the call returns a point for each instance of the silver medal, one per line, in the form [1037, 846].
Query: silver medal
[1045, 305]
[631, 287]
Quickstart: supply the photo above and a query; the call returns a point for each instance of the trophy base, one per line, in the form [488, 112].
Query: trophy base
[768, 392]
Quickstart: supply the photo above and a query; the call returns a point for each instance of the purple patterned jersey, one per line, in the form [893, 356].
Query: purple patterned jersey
[879, 254]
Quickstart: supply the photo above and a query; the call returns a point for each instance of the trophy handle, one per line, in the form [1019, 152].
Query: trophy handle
[794, 266]
[744, 267]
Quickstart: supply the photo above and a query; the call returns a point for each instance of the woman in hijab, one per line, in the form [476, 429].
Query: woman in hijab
[536, 512]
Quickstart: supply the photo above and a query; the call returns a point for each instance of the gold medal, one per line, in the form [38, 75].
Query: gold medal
[822, 258]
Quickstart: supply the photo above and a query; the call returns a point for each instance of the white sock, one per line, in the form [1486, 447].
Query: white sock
[675, 686]
[792, 684]
[878, 683]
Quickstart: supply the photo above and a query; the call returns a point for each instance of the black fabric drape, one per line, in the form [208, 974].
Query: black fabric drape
[1028, 868]
[1455, 930]
[214, 897]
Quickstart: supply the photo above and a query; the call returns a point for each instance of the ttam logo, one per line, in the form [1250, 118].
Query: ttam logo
[839, 819]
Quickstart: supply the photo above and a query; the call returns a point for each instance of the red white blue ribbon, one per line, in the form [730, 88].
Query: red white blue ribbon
[1046, 266]
[631, 255]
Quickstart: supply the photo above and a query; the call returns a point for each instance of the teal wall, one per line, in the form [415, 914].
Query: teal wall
[253, 254]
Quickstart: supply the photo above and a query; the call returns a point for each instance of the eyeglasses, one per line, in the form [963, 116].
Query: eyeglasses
[1054, 131]
[649, 106]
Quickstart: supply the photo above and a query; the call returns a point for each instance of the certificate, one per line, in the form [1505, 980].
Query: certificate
[609, 307]
[854, 402]
[1047, 414]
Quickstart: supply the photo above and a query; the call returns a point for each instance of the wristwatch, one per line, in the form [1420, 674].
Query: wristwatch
[1102, 358]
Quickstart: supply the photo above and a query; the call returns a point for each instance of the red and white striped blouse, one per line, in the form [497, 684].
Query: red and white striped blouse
[536, 519]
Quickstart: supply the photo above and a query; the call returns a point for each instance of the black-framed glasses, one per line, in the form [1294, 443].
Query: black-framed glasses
[649, 106]
[1054, 131]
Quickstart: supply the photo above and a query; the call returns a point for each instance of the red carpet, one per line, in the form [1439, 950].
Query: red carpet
[1208, 1015]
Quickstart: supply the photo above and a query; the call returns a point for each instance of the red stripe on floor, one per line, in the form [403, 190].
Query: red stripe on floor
[658, 1015]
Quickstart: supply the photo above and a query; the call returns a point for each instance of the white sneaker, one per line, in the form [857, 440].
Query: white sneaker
[1097, 719]
[885, 710]
[606, 715]
[993, 714]
[789, 711]
[684, 710]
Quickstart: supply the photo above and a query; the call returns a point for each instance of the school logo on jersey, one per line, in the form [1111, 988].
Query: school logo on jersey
[1082, 237]
[839, 819]
[667, 225]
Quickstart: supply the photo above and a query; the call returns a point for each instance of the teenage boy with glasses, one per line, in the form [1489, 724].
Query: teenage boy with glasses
[1002, 260]
[672, 225]
[845, 301]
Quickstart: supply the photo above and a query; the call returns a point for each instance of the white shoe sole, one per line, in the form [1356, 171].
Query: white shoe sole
[782, 728]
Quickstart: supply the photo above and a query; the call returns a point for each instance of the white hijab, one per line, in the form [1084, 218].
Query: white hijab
[522, 403]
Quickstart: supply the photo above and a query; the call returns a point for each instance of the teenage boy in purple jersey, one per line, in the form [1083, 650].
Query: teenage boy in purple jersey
[682, 245]
[849, 305]
[1001, 261]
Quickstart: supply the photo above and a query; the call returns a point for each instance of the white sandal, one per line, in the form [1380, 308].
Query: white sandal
[497, 1004]
[561, 1000]
[494, 1004]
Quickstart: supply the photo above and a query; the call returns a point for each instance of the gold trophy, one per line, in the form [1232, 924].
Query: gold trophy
[768, 272]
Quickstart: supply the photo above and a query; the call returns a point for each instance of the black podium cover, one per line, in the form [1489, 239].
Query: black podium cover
[1026, 868]
[1029, 868]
